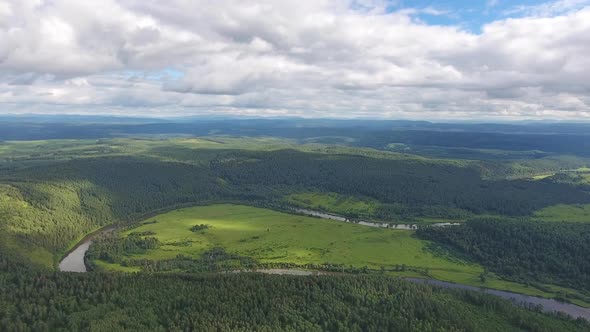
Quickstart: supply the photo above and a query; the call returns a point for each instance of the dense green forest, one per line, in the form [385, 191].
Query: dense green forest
[521, 250]
[252, 302]
[408, 187]
[52, 205]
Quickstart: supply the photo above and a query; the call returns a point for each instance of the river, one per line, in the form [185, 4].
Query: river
[408, 227]
[74, 261]
[289, 272]
[548, 305]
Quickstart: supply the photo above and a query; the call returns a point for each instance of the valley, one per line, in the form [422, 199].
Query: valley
[216, 205]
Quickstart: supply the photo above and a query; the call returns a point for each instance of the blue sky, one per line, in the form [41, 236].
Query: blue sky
[471, 15]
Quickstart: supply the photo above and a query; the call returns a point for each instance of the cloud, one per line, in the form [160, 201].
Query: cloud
[306, 57]
[423, 11]
[492, 3]
[548, 9]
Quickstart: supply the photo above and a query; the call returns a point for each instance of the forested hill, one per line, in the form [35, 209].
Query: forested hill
[253, 302]
[524, 251]
[410, 186]
[561, 138]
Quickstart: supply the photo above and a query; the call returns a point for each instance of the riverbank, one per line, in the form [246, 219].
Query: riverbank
[73, 259]
[402, 226]
[547, 305]
[74, 247]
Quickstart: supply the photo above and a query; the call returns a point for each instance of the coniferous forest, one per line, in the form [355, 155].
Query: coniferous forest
[251, 302]
[527, 251]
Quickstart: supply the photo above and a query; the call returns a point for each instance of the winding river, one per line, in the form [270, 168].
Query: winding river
[548, 305]
[74, 259]
[74, 262]
[408, 227]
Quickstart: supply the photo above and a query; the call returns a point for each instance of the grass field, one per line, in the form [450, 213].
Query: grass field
[275, 237]
[563, 212]
[542, 176]
[356, 208]
[582, 175]
[335, 203]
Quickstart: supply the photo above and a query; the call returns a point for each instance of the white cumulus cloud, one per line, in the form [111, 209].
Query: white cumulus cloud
[313, 58]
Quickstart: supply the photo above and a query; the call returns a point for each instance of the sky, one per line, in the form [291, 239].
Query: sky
[384, 59]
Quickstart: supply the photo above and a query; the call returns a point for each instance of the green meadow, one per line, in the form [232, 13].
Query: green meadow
[275, 237]
[565, 213]
[333, 202]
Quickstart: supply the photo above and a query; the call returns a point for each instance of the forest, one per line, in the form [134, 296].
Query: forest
[253, 302]
[522, 250]
[542, 138]
[415, 187]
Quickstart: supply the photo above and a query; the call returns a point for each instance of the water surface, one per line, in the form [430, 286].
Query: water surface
[74, 261]
[367, 223]
[548, 305]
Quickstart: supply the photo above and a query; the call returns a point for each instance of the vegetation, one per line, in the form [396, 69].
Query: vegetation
[523, 251]
[410, 188]
[54, 192]
[531, 140]
[243, 237]
[198, 228]
[111, 249]
[349, 206]
[59, 203]
[270, 237]
[579, 177]
[565, 213]
[253, 302]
